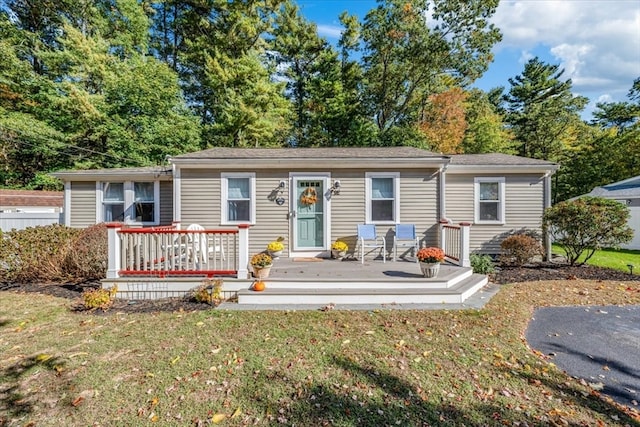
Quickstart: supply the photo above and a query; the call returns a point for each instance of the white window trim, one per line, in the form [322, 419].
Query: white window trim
[129, 199]
[224, 213]
[501, 202]
[396, 191]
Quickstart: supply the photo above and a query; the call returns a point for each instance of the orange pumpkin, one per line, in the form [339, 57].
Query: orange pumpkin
[258, 286]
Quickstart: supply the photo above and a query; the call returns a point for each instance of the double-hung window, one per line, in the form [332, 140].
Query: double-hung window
[130, 202]
[238, 198]
[383, 200]
[144, 201]
[112, 202]
[489, 200]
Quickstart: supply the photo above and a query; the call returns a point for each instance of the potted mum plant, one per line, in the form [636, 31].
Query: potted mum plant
[276, 247]
[339, 249]
[261, 264]
[430, 259]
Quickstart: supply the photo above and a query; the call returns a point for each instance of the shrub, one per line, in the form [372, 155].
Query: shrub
[587, 224]
[99, 298]
[209, 291]
[87, 257]
[482, 264]
[519, 249]
[35, 254]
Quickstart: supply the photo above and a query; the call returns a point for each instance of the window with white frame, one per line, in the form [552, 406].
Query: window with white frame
[113, 201]
[132, 202]
[383, 199]
[238, 198]
[489, 200]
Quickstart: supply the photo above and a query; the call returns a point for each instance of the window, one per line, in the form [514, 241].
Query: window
[383, 197]
[144, 201]
[129, 202]
[238, 201]
[113, 201]
[489, 200]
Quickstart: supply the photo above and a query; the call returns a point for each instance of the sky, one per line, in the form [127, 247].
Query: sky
[596, 42]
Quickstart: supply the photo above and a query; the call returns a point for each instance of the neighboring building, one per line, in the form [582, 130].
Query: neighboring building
[20, 209]
[627, 192]
[31, 201]
[313, 196]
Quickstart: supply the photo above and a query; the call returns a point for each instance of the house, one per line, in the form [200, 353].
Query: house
[627, 192]
[20, 209]
[314, 196]
[30, 201]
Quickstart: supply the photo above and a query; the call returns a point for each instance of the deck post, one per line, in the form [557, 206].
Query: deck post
[113, 240]
[243, 251]
[443, 236]
[465, 244]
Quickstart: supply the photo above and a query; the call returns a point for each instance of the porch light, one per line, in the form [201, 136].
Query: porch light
[335, 188]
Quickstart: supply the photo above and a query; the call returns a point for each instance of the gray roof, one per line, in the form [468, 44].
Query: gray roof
[132, 171]
[497, 159]
[310, 153]
[628, 188]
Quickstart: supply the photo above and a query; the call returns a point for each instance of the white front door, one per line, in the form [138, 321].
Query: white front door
[310, 218]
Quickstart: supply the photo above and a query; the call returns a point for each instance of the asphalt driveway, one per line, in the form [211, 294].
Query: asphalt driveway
[600, 344]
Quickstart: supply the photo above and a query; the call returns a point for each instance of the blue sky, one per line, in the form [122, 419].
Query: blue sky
[597, 42]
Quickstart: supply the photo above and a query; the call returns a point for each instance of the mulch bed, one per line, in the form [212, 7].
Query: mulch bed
[504, 275]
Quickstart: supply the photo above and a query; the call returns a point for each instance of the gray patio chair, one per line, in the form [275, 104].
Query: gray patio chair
[405, 237]
[368, 239]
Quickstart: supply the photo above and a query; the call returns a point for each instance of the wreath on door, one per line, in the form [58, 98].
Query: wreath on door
[309, 196]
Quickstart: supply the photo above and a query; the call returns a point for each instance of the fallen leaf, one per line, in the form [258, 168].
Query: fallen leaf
[236, 413]
[218, 418]
[77, 401]
[174, 361]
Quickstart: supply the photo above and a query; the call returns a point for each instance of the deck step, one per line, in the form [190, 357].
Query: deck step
[345, 294]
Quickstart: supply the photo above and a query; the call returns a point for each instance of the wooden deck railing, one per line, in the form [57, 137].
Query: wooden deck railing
[170, 251]
[455, 241]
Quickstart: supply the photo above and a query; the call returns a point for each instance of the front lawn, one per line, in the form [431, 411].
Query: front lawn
[305, 368]
[618, 259]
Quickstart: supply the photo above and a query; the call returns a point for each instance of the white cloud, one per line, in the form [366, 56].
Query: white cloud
[597, 42]
[329, 31]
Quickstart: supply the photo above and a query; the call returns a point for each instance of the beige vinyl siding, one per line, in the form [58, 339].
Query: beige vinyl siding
[83, 204]
[523, 208]
[200, 197]
[166, 202]
[271, 219]
[348, 207]
[418, 205]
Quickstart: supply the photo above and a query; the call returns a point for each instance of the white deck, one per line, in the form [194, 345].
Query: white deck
[326, 281]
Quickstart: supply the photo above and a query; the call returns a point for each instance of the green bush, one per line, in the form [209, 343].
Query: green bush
[587, 224]
[87, 257]
[519, 249]
[35, 254]
[482, 264]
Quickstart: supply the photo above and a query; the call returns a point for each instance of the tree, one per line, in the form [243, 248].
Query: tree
[542, 111]
[486, 131]
[444, 122]
[587, 224]
[405, 54]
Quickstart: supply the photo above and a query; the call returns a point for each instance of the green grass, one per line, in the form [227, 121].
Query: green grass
[610, 258]
[305, 368]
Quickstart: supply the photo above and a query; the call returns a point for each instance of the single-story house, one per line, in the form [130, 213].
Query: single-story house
[30, 201]
[20, 209]
[628, 192]
[313, 196]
